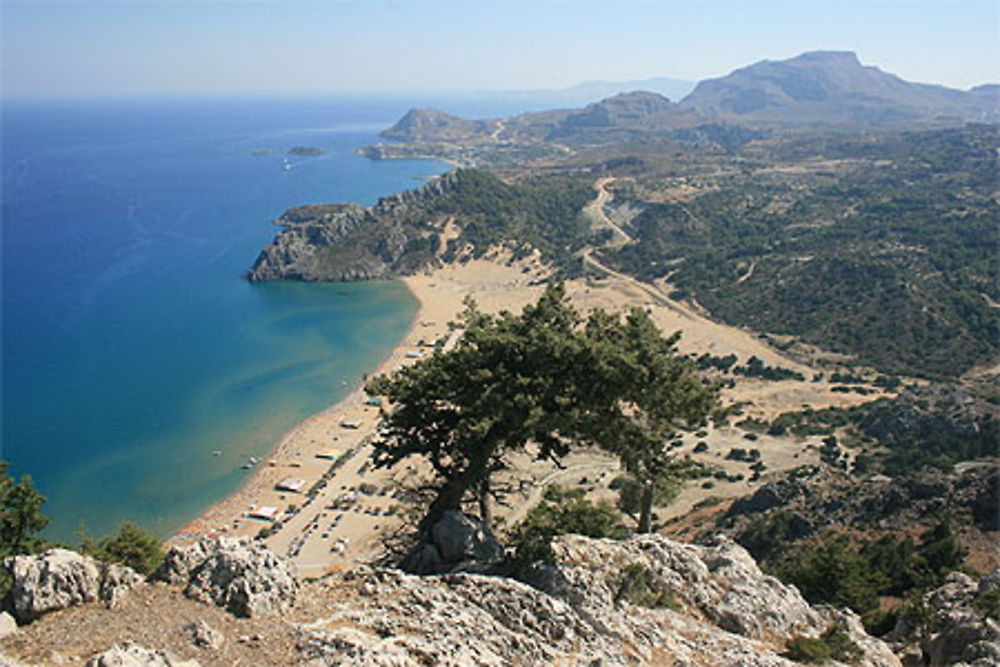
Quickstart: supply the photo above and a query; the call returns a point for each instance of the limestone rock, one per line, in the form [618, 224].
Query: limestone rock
[59, 578]
[460, 537]
[459, 542]
[133, 655]
[239, 575]
[8, 625]
[203, 635]
[725, 611]
[959, 631]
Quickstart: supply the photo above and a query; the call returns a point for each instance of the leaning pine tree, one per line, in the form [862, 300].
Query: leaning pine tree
[511, 380]
[541, 377]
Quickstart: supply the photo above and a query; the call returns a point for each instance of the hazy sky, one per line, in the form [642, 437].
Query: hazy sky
[97, 47]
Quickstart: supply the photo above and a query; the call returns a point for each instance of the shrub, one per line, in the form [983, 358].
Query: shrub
[560, 512]
[833, 644]
[131, 546]
[638, 586]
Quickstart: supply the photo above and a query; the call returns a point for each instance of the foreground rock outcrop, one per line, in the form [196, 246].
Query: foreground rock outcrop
[643, 601]
[59, 578]
[961, 625]
[241, 576]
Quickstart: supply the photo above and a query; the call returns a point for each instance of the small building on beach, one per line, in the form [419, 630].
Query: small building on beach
[330, 454]
[351, 423]
[293, 484]
[265, 512]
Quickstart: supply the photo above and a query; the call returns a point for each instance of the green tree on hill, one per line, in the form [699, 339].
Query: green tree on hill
[652, 392]
[21, 515]
[540, 377]
[130, 546]
[511, 380]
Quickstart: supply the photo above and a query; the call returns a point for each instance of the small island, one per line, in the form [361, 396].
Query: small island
[306, 150]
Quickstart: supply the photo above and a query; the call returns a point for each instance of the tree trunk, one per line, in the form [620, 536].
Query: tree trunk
[449, 497]
[485, 504]
[646, 511]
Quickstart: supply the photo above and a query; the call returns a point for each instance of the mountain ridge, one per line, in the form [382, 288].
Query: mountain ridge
[815, 88]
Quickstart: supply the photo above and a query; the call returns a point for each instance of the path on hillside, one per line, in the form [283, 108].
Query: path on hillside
[595, 211]
[538, 489]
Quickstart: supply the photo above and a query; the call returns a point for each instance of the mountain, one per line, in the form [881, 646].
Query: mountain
[833, 87]
[434, 125]
[621, 117]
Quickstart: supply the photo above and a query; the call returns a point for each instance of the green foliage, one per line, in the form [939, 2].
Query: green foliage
[539, 377]
[834, 571]
[834, 644]
[888, 263]
[652, 392]
[21, 519]
[755, 368]
[560, 512]
[544, 214]
[21, 515]
[638, 586]
[509, 381]
[130, 546]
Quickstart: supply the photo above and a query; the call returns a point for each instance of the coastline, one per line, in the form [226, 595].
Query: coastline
[356, 509]
[262, 478]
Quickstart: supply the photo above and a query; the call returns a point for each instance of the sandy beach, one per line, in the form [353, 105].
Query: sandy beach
[358, 506]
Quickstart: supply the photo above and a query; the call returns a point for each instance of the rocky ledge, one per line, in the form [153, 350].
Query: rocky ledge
[643, 601]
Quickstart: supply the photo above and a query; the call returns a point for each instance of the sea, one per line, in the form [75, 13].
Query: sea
[140, 370]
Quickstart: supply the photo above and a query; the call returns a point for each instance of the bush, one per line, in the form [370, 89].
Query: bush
[638, 586]
[807, 649]
[560, 512]
[131, 546]
[833, 644]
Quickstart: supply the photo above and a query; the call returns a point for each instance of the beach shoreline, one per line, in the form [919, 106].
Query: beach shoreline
[330, 508]
[261, 477]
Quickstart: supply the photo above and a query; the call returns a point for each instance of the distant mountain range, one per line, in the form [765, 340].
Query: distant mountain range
[818, 89]
[822, 87]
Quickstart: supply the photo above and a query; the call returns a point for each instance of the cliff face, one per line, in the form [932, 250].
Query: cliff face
[348, 242]
[643, 601]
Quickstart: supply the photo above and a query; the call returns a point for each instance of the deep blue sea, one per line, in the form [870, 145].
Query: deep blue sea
[132, 347]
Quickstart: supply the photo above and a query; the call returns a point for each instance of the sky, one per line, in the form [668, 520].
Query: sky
[82, 48]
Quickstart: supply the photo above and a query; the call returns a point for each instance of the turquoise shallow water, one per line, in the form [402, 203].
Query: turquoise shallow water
[132, 347]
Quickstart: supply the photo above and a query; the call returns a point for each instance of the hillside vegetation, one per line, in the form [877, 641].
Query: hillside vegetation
[887, 250]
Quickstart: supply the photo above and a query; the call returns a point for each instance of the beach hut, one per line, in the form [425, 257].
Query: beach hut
[331, 454]
[351, 423]
[265, 512]
[293, 484]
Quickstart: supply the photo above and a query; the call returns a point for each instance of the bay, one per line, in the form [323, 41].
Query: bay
[132, 347]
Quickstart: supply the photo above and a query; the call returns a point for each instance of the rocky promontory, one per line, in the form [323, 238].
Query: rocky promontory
[347, 242]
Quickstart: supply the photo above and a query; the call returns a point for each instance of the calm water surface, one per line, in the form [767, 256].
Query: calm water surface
[131, 346]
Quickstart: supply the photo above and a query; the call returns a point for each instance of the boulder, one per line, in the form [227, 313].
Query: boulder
[59, 578]
[960, 630]
[133, 655]
[204, 636]
[715, 607]
[460, 537]
[8, 625]
[239, 575]
[459, 542]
